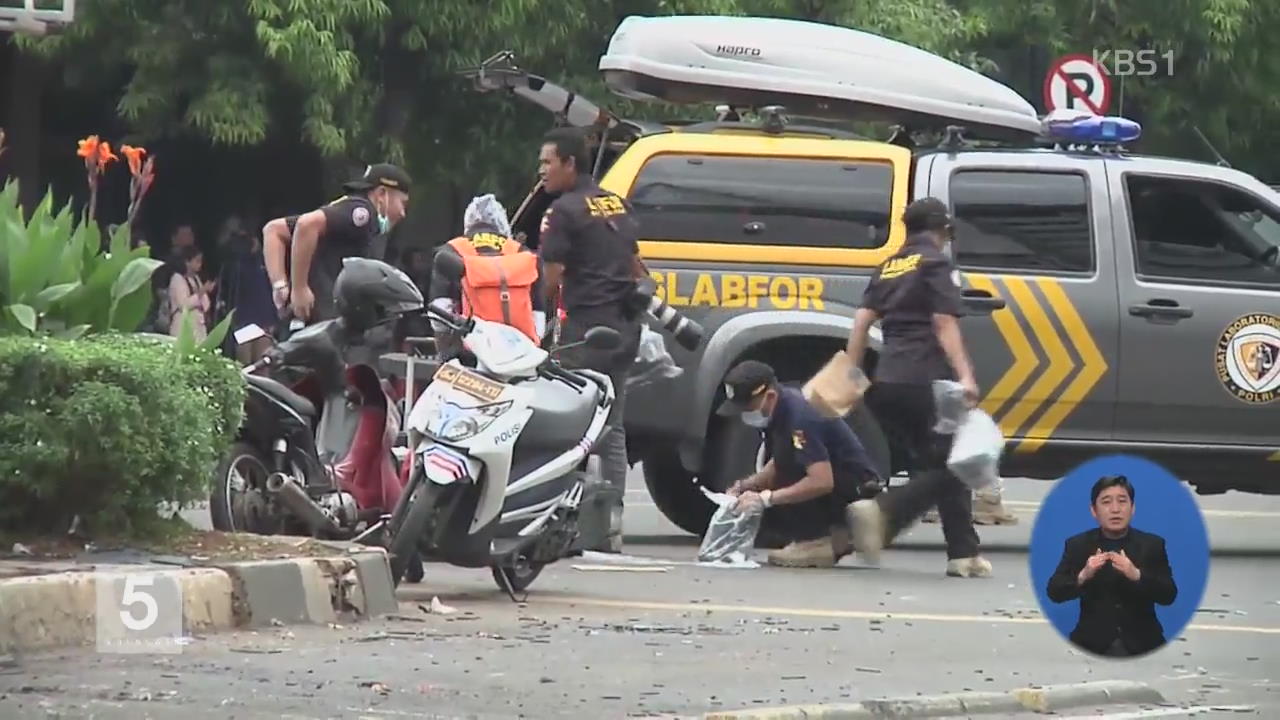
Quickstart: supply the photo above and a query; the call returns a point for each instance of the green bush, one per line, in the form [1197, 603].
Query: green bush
[107, 428]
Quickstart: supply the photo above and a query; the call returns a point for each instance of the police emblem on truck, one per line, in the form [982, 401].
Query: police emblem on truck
[1247, 359]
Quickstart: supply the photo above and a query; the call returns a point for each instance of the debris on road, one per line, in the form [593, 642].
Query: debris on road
[405, 618]
[620, 568]
[599, 558]
[378, 687]
[438, 608]
[647, 628]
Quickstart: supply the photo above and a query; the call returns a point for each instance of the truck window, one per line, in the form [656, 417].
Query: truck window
[764, 201]
[1199, 231]
[1022, 221]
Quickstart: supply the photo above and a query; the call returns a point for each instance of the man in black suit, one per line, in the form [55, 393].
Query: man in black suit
[1119, 573]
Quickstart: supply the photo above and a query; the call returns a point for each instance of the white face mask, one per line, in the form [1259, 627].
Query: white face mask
[755, 418]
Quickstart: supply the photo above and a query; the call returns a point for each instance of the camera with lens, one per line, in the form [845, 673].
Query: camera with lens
[686, 332]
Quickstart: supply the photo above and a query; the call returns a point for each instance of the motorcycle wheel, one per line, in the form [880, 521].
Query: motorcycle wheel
[520, 578]
[236, 502]
[407, 530]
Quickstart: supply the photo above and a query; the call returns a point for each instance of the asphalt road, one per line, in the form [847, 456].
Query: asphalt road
[628, 637]
[1237, 522]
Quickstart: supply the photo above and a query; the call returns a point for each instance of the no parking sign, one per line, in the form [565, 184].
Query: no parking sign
[1076, 82]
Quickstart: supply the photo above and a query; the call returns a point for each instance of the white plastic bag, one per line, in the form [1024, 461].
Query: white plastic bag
[975, 450]
[949, 406]
[653, 362]
[977, 443]
[731, 535]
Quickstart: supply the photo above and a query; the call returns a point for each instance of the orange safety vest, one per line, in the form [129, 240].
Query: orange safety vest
[498, 288]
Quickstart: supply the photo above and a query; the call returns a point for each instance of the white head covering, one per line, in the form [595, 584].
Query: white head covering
[486, 210]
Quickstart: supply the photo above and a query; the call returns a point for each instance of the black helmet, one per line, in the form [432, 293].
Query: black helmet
[370, 291]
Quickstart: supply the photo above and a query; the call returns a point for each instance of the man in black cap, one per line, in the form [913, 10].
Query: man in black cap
[818, 466]
[316, 242]
[916, 296]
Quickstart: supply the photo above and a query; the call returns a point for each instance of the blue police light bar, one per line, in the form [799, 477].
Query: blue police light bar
[1094, 130]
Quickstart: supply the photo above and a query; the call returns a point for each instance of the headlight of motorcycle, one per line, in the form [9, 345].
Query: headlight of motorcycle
[459, 428]
[469, 422]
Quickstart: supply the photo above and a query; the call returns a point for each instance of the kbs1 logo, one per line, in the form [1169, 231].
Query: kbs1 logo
[1134, 63]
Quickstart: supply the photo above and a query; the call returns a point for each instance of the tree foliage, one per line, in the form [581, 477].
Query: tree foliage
[372, 79]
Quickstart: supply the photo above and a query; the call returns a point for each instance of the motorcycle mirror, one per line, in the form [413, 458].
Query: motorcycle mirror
[602, 338]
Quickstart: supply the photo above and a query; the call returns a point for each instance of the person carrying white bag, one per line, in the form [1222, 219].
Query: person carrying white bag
[915, 295]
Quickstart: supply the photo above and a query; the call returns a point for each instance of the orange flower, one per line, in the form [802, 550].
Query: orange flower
[88, 148]
[105, 156]
[134, 156]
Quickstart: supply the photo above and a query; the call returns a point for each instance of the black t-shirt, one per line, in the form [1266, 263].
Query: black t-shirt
[351, 230]
[592, 232]
[800, 436]
[906, 291]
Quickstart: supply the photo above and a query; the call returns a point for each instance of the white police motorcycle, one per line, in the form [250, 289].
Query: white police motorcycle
[500, 455]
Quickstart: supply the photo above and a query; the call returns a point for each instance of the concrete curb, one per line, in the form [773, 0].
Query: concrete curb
[1048, 698]
[60, 609]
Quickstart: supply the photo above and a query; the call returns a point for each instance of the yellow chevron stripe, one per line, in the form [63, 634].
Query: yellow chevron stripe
[1024, 358]
[1095, 366]
[1060, 364]
[1275, 457]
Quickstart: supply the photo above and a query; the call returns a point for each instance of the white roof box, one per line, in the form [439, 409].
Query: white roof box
[810, 69]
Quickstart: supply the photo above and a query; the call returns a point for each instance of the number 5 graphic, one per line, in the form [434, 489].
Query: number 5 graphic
[133, 596]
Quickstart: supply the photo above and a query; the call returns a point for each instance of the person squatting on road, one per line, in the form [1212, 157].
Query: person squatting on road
[916, 296]
[315, 243]
[501, 279]
[588, 243]
[818, 466]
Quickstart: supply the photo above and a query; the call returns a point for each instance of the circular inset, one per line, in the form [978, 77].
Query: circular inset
[1119, 556]
[1247, 358]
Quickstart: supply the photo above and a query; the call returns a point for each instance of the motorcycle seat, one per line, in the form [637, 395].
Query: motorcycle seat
[561, 416]
[279, 391]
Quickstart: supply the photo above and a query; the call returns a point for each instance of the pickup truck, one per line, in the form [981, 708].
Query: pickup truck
[1116, 303]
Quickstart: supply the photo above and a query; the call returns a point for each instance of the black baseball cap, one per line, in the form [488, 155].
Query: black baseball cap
[744, 383]
[928, 213]
[380, 175]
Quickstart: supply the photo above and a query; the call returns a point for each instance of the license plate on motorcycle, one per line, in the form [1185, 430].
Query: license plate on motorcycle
[473, 384]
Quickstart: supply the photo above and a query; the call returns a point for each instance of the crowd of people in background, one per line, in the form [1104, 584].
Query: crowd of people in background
[185, 282]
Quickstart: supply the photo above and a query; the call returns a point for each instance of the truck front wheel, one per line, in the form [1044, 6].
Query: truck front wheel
[733, 452]
[676, 493]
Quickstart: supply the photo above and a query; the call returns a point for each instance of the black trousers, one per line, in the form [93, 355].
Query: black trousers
[615, 363]
[612, 447]
[906, 414]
